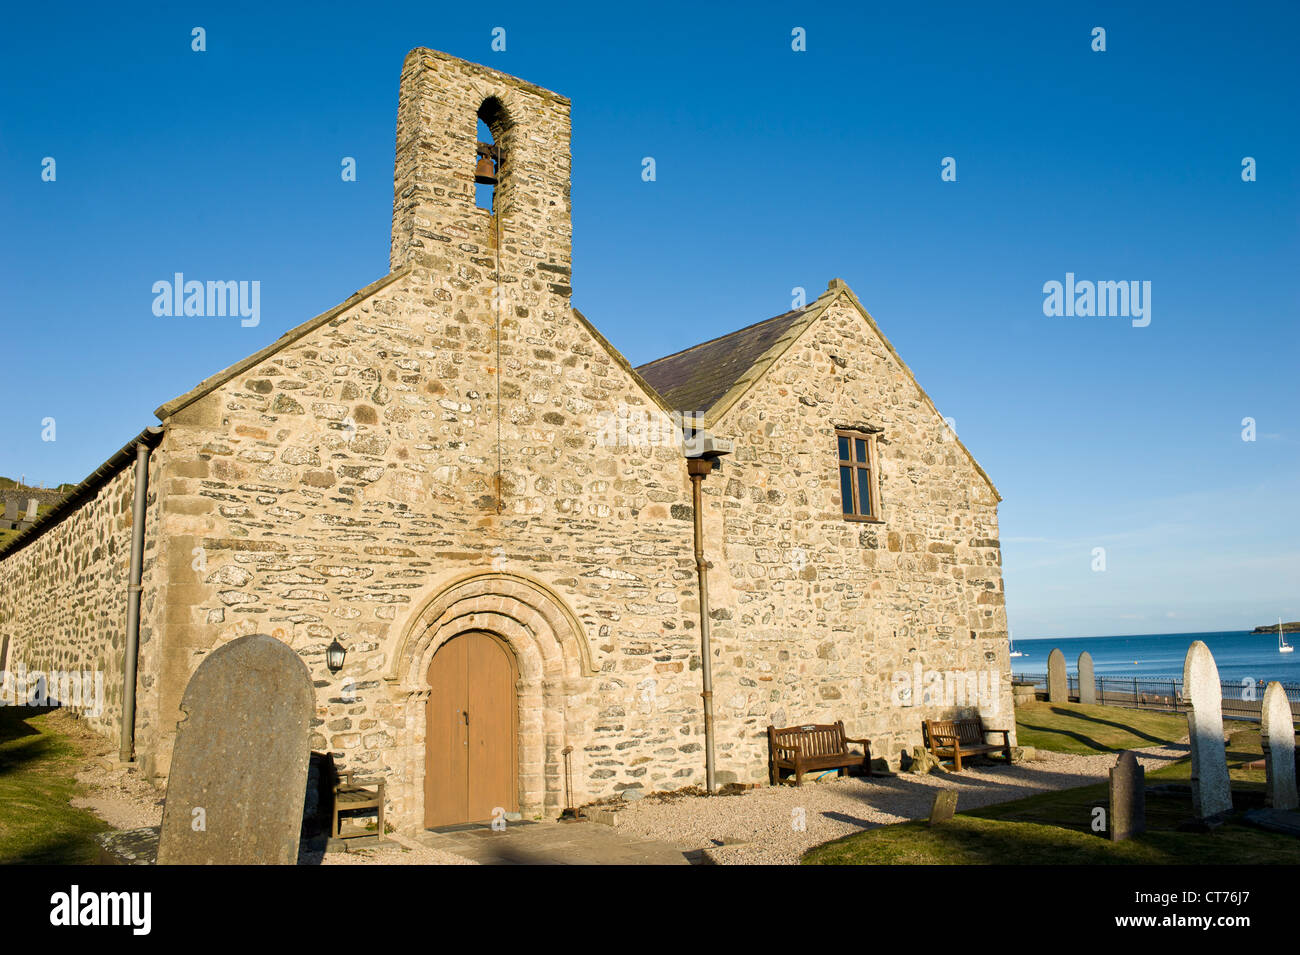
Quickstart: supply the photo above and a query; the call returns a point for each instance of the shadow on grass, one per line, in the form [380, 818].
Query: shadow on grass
[38, 825]
[13, 721]
[65, 848]
[22, 744]
[1127, 728]
[1077, 737]
[852, 820]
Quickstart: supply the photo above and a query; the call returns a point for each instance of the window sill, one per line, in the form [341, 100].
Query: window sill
[857, 519]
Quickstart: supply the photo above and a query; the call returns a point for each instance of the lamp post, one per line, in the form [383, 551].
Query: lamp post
[703, 451]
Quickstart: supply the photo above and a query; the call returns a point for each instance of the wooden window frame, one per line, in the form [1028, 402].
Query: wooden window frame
[871, 466]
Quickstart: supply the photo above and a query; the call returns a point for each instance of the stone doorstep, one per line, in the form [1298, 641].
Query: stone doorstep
[113, 763]
[554, 843]
[601, 817]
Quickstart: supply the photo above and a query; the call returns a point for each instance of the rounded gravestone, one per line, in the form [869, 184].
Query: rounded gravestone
[1087, 679]
[1278, 731]
[1211, 788]
[1058, 688]
[239, 769]
[1127, 798]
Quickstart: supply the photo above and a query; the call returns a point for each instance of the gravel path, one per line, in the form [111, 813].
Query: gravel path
[119, 796]
[758, 827]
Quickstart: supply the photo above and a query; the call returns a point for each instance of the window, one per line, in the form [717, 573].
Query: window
[857, 475]
[489, 157]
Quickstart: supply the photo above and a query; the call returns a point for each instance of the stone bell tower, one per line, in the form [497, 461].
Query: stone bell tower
[523, 244]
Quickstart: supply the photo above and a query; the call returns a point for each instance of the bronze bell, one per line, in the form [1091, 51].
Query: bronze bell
[485, 173]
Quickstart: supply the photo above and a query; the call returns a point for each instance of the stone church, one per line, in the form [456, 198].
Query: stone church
[456, 480]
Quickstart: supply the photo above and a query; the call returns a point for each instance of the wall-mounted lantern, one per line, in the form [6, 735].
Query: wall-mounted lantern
[335, 653]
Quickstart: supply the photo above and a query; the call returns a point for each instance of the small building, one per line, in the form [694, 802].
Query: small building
[455, 477]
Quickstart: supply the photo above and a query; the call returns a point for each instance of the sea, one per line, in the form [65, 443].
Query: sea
[1239, 655]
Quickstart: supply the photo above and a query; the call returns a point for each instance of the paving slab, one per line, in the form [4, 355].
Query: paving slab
[555, 843]
[1275, 820]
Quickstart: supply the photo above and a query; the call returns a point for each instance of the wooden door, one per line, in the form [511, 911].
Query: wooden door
[470, 746]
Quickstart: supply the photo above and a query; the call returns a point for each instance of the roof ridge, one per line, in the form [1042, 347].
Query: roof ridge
[719, 338]
[759, 366]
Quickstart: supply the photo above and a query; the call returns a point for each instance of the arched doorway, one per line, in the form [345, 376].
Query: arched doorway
[552, 659]
[471, 743]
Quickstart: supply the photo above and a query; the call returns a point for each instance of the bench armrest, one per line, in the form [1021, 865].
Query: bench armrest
[864, 742]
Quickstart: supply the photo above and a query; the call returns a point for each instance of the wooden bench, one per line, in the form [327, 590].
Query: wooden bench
[352, 795]
[814, 746]
[953, 739]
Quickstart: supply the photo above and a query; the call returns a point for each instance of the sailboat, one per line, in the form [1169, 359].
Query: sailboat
[1011, 644]
[1282, 645]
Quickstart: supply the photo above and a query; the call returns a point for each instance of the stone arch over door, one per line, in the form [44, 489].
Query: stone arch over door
[555, 671]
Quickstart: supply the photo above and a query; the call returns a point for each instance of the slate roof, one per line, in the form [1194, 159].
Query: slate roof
[711, 377]
[696, 379]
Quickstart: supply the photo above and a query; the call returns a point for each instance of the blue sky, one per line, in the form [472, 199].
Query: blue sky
[775, 169]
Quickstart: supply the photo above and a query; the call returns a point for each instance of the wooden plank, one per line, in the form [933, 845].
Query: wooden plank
[446, 773]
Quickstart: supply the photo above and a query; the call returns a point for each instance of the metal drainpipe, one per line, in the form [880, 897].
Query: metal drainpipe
[126, 751]
[698, 468]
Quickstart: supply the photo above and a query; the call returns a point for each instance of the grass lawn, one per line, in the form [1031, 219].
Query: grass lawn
[1055, 828]
[38, 754]
[1088, 730]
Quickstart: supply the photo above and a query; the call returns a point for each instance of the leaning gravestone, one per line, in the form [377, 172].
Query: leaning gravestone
[1128, 798]
[1058, 688]
[1087, 679]
[923, 761]
[1211, 788]
[945, 804]
[1278, 734]
[239, 769]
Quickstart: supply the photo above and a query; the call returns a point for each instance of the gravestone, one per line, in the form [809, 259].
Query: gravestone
[32, 506]
[1128, 798]
[239, 769]
[1211, 788]
[1087, 679]
[1058, 688]
[945, 804]
[923, 761]
[1277, 732]
[11, 510]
